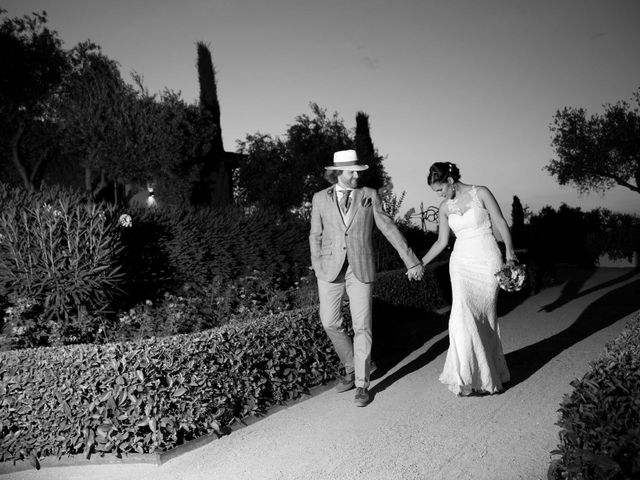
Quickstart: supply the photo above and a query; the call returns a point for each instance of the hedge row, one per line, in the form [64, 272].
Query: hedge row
[168, 248]
[148, 396]
[153, 395]
[600, 419]
[430, 293]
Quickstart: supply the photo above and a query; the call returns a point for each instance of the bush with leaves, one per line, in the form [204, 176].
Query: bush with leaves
[59, 253]
[600, 419]
[152, 395]
[170, 248]
[616, 234]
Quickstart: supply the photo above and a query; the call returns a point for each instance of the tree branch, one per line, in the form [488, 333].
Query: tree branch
[15, 156]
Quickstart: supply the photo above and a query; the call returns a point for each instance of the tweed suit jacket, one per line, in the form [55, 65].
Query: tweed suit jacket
[333, 239]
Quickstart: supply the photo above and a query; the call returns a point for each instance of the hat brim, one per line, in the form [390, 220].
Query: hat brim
[356, 168]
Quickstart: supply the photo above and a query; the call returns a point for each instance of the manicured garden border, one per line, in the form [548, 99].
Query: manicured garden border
[119, 396]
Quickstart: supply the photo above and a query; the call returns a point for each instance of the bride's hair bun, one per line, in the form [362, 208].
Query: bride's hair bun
[440, 171]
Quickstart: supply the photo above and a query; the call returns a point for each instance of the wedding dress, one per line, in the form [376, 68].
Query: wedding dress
[475, 360]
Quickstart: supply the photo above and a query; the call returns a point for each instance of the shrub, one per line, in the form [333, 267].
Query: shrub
[600, 419]
[62, 256]
[430, 293]
[569, 235]
[152, 395]
[242, 299]
[386, 256]
[617, 235]
[169, 248]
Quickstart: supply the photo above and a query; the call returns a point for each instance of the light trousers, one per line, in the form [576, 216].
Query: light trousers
[355, 355]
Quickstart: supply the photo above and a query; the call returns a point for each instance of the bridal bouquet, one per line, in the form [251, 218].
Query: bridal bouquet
[512, 277]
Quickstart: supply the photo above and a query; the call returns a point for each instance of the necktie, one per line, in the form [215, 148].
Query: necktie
[345, 201]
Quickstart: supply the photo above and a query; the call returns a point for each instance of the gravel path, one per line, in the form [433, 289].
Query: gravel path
[415, 428]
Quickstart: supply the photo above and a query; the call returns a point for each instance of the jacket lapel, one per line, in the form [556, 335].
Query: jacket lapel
[333, 206]
[353, 208]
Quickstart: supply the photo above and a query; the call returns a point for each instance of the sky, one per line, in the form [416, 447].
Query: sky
[472, 82]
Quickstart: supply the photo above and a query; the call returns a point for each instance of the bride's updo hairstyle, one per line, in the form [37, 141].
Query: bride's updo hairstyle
[440, 171]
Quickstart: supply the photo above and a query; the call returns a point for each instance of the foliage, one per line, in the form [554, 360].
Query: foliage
[238, 300]
[264, 174]
[126, 134]
[215, 185]
[600, 418]
[559, 236]
[518, 216]
[171, 316]
[600, 151]
[170, 248]
[209, 94]
[430, 293]
[375, 176]
[569, 235]
[153, 395]
[33, 66]
[286, 172]
[58, 252]
[386, 256]
[617, 234]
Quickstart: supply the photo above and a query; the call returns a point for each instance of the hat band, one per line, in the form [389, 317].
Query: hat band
[347, 163]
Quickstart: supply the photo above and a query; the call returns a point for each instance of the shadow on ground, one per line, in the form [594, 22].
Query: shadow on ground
[603, 312]
[575, 280]
[397, 332]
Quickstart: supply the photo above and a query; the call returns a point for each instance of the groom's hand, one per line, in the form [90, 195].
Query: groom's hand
[416, 272]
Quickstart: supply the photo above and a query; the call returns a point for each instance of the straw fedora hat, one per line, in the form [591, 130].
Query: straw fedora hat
[346, 160]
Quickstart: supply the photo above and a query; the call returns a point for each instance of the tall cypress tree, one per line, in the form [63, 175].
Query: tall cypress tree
[216, 179]
[517, 222]
[376, 176]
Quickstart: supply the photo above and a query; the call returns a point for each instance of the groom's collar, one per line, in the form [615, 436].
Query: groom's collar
[338, 188]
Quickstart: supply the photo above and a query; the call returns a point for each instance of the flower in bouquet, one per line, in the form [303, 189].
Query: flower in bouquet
[512, 277]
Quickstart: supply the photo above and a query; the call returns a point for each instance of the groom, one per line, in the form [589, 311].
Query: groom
[342, 257]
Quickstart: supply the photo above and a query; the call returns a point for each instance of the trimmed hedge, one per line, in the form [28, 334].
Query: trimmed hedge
[152, 395]
[430, 293]
[149, 396]
[200, 247]
[600, 419]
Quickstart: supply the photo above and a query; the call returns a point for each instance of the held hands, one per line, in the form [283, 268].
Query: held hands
[416, 272]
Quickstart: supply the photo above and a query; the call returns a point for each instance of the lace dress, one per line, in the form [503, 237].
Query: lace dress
[475, 360]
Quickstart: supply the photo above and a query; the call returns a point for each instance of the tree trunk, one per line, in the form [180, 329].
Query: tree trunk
[87, 179]
[15, 157]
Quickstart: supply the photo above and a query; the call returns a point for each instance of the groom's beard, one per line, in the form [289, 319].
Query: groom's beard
[353, 183]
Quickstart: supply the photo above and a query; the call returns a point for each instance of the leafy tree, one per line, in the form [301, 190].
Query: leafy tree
[599, 151]
[259, 179]
[286, 172]
[311, 142]
[216, 182]
[126, 135]
[90, 97]
[559, 236]
[188, 130]
[518, 217]
[376, 176]
[33, 66]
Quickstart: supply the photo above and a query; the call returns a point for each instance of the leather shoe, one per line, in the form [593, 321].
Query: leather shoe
[345, 383]
[362, 397]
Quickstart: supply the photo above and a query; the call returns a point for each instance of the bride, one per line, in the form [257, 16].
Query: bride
[475, 360]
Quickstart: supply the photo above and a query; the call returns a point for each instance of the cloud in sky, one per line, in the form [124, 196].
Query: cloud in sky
[370, 63]
[598, 35]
